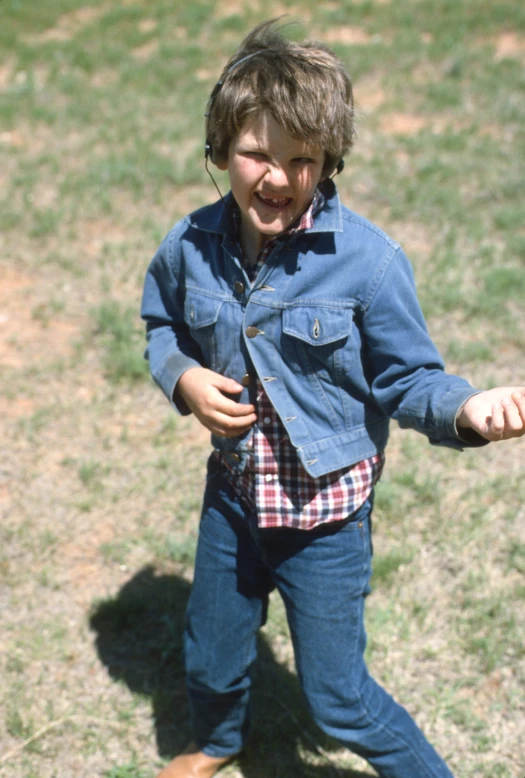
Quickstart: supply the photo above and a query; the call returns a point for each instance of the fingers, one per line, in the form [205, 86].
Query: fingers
[497, 422]
[519, 400]
[227, 424]
[229, 407]
[224, 416]
[228, 385]
[228, 427]
[514, 411]
[227, 418]
[197, 380]
[508, 417]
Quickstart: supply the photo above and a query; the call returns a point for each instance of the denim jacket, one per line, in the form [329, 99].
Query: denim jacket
[332, 327]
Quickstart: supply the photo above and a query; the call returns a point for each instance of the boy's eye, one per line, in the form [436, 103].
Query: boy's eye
[303, 160]
[255, 155]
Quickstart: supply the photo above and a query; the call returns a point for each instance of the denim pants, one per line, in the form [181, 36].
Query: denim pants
[323, 577]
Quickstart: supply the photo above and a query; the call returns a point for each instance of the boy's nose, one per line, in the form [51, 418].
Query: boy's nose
[277, 176]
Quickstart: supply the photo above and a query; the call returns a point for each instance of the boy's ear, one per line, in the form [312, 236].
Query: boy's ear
[222, 164]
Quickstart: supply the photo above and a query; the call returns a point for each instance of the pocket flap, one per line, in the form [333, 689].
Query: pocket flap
[317, 326]
[201, 310]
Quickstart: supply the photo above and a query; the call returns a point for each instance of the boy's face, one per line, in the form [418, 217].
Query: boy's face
[273, 178]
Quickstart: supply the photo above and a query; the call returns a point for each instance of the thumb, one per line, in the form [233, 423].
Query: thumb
[228, 385]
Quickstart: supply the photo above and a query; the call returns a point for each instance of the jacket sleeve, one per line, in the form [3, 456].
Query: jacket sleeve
[171, 350]
[406, 371]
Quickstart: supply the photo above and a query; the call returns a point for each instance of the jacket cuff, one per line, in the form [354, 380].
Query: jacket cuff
[471, 438]
[467, 435]
[168, 377]
[459, 438]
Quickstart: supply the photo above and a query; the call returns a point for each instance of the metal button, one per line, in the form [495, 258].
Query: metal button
[239, 287]
[235, 457]
[251, 331]
[246, 379]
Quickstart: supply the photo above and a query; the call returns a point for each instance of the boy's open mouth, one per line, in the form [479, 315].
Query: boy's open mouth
[277, 203]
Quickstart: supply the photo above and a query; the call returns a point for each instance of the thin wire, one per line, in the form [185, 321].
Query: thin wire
[212, 178]
[248, 56]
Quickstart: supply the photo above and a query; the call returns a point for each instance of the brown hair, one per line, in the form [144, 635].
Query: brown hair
[304, 86]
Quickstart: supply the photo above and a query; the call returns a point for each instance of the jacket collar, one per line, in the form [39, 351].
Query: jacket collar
[217, 217]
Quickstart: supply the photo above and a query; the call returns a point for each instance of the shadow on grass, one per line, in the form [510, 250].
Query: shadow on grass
[139, 640]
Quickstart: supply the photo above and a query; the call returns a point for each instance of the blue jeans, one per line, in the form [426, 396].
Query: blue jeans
[323, 577]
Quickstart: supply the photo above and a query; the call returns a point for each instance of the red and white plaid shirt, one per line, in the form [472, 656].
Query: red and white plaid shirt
[274, 483]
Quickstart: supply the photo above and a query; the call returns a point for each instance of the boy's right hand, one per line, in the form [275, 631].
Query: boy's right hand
[204, 392]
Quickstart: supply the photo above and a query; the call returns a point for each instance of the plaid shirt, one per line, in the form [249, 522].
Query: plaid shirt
[274, 483]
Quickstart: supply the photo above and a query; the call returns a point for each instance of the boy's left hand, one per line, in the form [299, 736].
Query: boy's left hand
[497, 414]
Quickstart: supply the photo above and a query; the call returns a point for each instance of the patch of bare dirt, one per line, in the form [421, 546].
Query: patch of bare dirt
[80, 562]
[402, 124]
[16, 407]
[369, 94]
[234, 8]
[411, 124]
[147, 25]
[5, 494]
[27, 331]
[6, 71]
[93, 235]
[44, 194]
[416, 240]
[499, 132]
[104, 78]
[509, 45]
[348, 35]
[39, 137]
[68, 25]
[182, 201]
[290, 11]
[331, 6]
[371, 100]
[13, 138]
[146, 51]
[204, 74]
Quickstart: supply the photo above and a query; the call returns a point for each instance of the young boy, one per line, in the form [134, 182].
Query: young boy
[290, 327]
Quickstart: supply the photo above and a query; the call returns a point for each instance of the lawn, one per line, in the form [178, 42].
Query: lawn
[101, 151]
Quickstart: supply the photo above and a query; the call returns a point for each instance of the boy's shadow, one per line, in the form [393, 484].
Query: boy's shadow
[139, 639]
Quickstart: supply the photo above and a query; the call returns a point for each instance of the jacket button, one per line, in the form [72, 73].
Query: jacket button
[246, 379]
[235, 457]
[239, 287]
[251, 331]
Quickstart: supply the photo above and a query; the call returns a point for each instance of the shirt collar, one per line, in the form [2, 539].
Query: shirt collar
[326, 217]
[302, 223]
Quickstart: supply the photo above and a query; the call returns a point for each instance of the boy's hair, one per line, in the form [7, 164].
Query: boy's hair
[304, 86]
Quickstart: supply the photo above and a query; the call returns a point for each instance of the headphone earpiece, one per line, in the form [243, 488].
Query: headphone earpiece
[340, 166]
[208, 149]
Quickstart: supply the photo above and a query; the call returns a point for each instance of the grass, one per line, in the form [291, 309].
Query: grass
[101, 150]
[119, 330]
[126, 771]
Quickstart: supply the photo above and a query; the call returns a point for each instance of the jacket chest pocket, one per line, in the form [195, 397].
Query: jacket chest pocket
[201, 314]
[320, 338]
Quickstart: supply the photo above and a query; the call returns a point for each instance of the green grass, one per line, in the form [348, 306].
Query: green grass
[126, 771]
[121, 334]
[386, 566]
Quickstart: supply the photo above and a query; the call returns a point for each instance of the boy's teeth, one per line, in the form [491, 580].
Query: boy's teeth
[275, 200]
